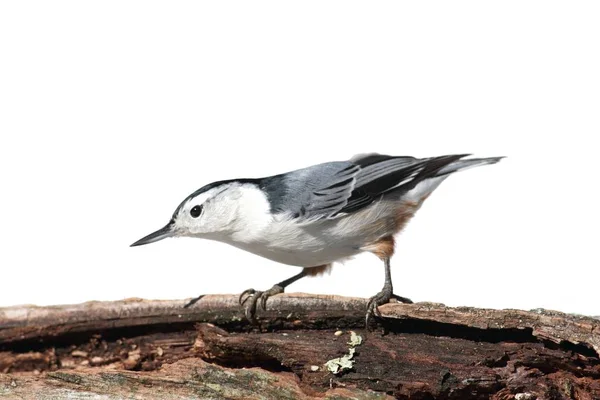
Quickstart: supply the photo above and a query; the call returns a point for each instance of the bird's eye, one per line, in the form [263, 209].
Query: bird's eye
[196, 211]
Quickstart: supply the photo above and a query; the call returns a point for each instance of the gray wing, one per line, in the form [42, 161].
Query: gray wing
[319, 191]
[333, 189]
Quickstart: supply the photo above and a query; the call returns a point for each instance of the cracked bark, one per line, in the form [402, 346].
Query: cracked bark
[157, 349]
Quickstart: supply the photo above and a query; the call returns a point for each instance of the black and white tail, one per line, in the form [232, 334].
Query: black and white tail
[461, 165]
[424, 187]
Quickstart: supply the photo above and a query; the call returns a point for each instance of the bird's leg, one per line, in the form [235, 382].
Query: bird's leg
[384, 295]
[253, 296]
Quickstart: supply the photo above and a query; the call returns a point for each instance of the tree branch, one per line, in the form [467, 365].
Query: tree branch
[420, 351]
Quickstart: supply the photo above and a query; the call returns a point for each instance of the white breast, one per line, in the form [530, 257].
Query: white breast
[307, 243]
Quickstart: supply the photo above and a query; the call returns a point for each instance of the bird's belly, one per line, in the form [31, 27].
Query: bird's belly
[319, 242]
[302, 251]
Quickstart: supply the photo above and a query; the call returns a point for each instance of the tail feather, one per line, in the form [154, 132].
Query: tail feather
[461, 165]
[425, 187]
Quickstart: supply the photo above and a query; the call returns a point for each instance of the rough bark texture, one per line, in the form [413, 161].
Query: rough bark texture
[157, 349]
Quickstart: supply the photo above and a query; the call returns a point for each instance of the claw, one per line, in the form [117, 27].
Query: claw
[380, 298]
[372, 309]
[250, 310]
[249, 299]
[249, 293]
[263, 301]
[256, 296]
[401, 299]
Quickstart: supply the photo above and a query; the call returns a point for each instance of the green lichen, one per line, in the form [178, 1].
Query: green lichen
[346, 362]
[355, 340]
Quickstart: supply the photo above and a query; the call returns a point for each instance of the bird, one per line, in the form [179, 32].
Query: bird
[316, 216]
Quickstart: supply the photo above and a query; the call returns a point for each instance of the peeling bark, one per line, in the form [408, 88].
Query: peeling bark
[419, 351]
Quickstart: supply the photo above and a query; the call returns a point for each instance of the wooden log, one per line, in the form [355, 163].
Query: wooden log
[158, 349]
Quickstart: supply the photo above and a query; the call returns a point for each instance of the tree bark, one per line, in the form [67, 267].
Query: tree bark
[157, 349]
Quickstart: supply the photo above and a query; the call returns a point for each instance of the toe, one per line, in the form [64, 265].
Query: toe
[250, 308]
[371, 311]
[251, 299]
[372, 306]
[401, 299]
[276, 289]
[380, 298]
[263, 301]
[250, 312]
[246, 294]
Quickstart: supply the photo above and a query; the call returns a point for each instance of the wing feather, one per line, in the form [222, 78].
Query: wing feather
[333, 189]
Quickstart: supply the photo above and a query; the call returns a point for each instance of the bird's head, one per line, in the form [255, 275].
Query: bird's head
[209, 212]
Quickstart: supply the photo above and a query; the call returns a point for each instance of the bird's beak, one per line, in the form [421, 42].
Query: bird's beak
[160, 234]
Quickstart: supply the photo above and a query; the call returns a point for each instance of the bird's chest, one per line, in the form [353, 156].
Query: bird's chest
[309, 244]
[305, 245]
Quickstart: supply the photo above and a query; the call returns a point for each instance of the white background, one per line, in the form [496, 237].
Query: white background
[112, 112]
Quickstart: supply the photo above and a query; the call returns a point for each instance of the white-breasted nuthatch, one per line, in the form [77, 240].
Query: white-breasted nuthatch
[316, 216]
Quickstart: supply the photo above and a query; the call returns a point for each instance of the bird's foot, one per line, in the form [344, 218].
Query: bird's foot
[380, 298]
[252, 297]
